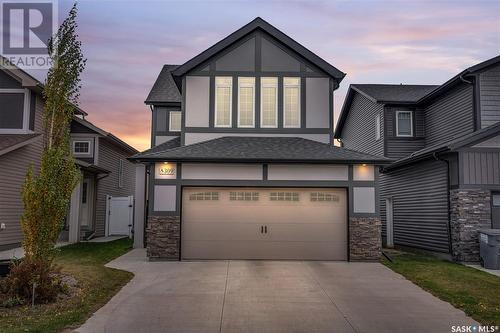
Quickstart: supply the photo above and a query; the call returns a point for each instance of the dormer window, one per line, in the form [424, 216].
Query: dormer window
[81, 147]
[404, 123]
[223, 101]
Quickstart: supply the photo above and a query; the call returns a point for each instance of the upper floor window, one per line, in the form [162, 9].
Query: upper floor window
[223, 101]
[291, 101]
[377, 127]
[404, 123]
[14, 115]
[246, 104]
[81, 147]
[175, 121]
[269, 102]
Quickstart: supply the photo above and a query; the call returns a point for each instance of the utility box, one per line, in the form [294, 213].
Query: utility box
[489, 240]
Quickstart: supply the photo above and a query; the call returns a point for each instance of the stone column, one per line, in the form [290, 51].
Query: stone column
[470, 211]
[163, 237]
[365, 238]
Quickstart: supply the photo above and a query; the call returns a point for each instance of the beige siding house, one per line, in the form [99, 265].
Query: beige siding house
[101, 157]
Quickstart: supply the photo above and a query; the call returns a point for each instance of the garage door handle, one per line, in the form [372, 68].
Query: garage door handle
[261, 229]
[265, 229]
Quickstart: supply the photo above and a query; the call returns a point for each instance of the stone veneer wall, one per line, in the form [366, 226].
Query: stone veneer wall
[163, 236]
[470, 211]
[365, 238]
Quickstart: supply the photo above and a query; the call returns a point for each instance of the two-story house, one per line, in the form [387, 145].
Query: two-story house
[242, 164]
[444, 184]
[101, 157]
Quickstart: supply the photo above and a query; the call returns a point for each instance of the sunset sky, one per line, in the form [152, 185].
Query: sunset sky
[127, 42]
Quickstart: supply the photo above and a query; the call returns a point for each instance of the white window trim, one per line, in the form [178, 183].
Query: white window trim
[26, 112]
[170, 121]
[230, 86]
[246, 85]
[89, 153]
[299, 108]
[377, 127]
[275, 86]
[411, 124]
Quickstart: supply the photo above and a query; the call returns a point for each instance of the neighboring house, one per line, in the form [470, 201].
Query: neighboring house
[444, 184]
[102, 159]
[242, 164]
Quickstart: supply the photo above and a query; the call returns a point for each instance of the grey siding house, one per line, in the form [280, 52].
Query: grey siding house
[101, 157]
[444, 182]
[242, 164]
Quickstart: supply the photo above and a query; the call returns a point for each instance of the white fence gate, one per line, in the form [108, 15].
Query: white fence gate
[120, 217]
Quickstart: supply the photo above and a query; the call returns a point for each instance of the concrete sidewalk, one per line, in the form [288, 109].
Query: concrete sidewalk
[269, 296]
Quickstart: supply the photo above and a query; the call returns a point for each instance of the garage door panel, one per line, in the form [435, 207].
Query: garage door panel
[305, 232]
[302, 223]
[222, 231]
[266, 250]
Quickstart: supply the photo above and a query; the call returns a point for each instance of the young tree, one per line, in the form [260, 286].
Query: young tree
[46, 196]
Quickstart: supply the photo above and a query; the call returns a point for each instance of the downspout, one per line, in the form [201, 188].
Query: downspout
[450, 246]
[475, 108]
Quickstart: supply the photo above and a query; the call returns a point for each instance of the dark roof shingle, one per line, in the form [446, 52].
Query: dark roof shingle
[246, 149]
[406, 93]
[164, 89]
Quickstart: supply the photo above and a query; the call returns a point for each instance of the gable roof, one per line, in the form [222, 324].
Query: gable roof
[262, 149]
[259, 23]
[164, 89]
[405, 94]
[384, 94]
[450, 145]
[106, 135]
[459, 78]
[393, 93]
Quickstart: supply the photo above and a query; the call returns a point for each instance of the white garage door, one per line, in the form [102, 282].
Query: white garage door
[264, 223]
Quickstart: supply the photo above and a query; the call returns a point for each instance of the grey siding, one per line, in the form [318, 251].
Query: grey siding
[109, 157]
[359, 129]
[399, 147]
[8, 82]
[450, 115]
[241, 58]
[14, 166]
[161, 123]
[480, 167]
[275, 59]
[489, 91]
[420, 202]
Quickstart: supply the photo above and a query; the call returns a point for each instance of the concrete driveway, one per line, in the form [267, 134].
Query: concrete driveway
[269, 296]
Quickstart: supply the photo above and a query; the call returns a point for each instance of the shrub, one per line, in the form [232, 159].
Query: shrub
[24, 273]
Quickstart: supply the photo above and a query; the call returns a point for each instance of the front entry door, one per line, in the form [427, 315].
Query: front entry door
[86, 203]
[495, 211]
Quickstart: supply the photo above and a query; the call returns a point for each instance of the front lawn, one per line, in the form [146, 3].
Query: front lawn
[85, 262]
[475, 292]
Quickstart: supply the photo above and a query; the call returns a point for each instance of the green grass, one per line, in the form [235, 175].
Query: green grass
[475, 292]
[85, 262]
